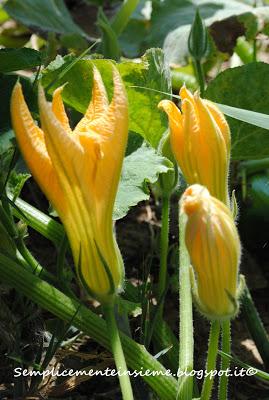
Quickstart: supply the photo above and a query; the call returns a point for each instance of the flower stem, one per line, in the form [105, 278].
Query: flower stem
[211, 359]
[185, 314]
[200, 75]
[164, 251]
[225, 363]
[124, 378]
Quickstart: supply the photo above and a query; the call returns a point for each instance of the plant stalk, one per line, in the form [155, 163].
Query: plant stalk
[185, 314]
[124, 378]
[164, 252]
[211, 359]
[225, 362]
[200, 75]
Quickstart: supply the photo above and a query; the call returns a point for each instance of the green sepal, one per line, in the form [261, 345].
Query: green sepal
[234, 206]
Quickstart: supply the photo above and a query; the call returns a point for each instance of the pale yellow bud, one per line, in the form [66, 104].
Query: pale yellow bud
[214, 246]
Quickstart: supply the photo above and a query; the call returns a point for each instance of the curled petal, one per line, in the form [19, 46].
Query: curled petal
[98, 104]
[32, 145]
[59, 110]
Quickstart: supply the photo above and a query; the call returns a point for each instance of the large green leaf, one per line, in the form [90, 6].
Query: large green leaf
[141, 167]
[51, 16]
[15, 59]
[152, 73]
[144, 116]
[244, 87]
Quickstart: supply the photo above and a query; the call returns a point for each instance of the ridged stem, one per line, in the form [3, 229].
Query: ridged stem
[124, 378]
[185, 314]
[225, 362]
[164, 252]
[211, 360]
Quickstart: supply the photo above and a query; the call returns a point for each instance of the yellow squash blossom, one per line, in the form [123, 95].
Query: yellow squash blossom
[200, 140]
[213, 244]
[79, 171]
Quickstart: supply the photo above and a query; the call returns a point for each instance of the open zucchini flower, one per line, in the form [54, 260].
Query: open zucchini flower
[200, 140]
[214, 246]
[79, 171]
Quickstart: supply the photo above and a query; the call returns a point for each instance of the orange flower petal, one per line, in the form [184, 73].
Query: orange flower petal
[31, 142]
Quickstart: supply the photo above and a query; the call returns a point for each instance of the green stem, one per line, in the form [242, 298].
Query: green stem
[122, 17]
[211, 359]
[255, 326]
[200, 76]
[68, 309]
[185, 314]
[124, 378]
[225, 362]
[164, 251]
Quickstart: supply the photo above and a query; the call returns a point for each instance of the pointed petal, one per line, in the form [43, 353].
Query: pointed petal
[31, 142]
[191, 131]
[221, 122]
[184, 93]
[98, 104]
[59, 110]
[175, 125]
[110, 132]
[65, 153]
[211, 153]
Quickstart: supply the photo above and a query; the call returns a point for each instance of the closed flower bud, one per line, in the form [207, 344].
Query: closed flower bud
[214, 247]
[200, 140]
[198, 38]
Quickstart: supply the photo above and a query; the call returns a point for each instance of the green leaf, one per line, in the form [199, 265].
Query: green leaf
[152, 72]
[15, 59]
[47, 16]
[16, 182]
[141, 167]
[133, 48]
[244, 87]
